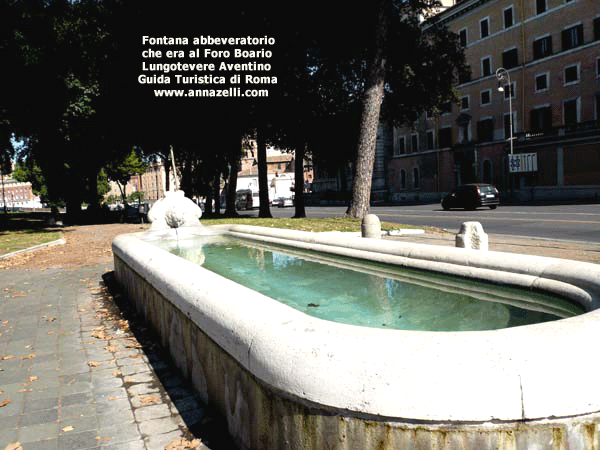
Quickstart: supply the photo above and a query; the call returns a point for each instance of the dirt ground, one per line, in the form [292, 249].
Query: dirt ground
[85, 245]
[91, 245]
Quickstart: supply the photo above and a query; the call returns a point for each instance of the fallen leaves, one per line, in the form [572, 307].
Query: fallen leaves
[3, 403]
[30, 356]
[93, 363]
[133, 344]
[183, 444]
[67, 429]
[14, 446]
[149, 399]
[7, 357]
[101, 334]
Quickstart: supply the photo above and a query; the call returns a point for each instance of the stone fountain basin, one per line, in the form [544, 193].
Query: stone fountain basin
[281, 377]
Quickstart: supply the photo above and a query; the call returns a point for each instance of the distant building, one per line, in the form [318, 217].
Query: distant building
[550, 50]
[16, 194]
[152, 183]
[280, 171]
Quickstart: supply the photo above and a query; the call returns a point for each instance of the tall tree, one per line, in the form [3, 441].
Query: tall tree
[413, 70]
[372, 99]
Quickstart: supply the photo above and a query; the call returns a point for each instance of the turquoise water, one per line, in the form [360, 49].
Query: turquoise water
[369, 294]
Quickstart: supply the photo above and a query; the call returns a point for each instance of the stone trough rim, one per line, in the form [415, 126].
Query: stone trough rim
[505, 376]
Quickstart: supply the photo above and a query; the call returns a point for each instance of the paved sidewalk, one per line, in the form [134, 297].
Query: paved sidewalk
[75, 373]
[74, 376]
[554, 248]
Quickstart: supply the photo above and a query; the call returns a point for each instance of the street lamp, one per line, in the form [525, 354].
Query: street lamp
[503, 75]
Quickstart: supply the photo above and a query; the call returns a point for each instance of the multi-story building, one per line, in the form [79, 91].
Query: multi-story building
[16, 194]
[152, 183]
[545, 56]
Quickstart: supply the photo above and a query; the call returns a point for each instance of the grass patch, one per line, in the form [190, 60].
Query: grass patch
[305, 224]
[20, 231]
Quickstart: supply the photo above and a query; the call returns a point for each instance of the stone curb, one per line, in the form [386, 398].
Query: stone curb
[60, 241]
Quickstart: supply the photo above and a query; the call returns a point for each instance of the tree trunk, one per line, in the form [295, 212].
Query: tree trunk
[208, 209]
[217, 193]
[236, 151]
[263, 181]
[373, 97]
[167, 162]
[300, 212]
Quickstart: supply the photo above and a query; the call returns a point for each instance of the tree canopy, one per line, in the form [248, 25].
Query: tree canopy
[74, 91]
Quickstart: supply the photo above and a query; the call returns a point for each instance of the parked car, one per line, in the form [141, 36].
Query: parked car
[471, 196]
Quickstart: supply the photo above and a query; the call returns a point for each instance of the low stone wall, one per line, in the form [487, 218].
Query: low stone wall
[284, 380]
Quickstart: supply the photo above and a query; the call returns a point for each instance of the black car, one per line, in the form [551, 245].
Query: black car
[471, 196]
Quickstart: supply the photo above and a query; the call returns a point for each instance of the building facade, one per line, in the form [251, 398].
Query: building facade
[528, 117]
[152, 183]
[16, 194]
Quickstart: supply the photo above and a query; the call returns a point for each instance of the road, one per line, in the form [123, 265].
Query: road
[565, 222]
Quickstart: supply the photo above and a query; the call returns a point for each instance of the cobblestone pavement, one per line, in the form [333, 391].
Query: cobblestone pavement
[76, 374]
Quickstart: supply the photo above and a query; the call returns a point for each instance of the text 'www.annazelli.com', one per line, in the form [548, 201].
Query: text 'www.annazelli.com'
[231, 92]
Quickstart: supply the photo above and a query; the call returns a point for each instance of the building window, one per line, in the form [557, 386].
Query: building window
[597, 106]
[571, 111]
[464, 102]
[486, 97]
[485, 130]
[401, 146]
[484, 27]
[542, 82]
[510, 58]
[511, 91]
[540, 6]
[597, 29]
[509, 20]
[430, 140]
[402, 179]
[464, 133]
[462, 37]
[416, 181]
[486, 66]
[445, 137]
[572, 37]
[597, 67]
[572, 74]
[415, 142]
[541, 119]
[542, 47]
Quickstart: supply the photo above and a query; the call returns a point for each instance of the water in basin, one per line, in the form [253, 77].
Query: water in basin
[363, 293]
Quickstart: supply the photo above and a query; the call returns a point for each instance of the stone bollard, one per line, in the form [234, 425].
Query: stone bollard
[371, 227]
[472, 236]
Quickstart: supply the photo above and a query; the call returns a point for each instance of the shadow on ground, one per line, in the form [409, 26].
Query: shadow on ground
[203, 423]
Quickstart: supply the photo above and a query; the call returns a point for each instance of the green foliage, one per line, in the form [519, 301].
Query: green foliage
[72, 90]
[28, 171]
[135, 197]
[122, 169]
